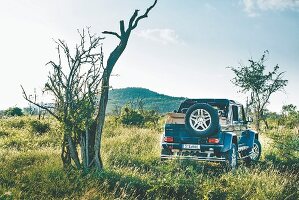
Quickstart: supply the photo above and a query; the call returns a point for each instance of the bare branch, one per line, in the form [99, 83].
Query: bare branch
[40, 106]
[112, 33]
[133, 18]
[145, 15]
[122, 27]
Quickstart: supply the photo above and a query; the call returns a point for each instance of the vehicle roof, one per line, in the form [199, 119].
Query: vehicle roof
[210, 100]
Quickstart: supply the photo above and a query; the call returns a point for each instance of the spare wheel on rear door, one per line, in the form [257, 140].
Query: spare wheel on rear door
[202, 120]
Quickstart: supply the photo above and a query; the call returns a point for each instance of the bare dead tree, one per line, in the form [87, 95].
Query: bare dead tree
[76, 89]
[74, 82]
[123, 38]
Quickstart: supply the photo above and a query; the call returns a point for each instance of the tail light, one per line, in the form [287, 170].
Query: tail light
[168, 139]
[213, 140]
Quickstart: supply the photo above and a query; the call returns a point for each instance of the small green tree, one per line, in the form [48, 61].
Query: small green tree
[290, 116]
[14, 111]
[273, 119]
[289, 109]
[260, 85]
[130, 116]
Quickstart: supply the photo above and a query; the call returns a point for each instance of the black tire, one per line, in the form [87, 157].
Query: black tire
[231, 156]
[210, 127]
[256, 154]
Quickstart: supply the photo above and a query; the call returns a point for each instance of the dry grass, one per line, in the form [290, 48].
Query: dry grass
[30, 168]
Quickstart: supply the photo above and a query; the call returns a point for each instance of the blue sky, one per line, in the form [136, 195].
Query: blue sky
[182, 49]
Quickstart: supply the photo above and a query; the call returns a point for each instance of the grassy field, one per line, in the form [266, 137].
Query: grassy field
[30, 167]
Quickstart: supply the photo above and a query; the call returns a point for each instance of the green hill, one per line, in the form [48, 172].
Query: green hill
[151, 100]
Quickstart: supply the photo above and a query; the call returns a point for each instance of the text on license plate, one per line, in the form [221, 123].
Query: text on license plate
[191, 146]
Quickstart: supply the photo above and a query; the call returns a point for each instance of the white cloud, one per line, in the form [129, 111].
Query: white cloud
[210, 7]
[253, 7]
[250, 7]
[164, 36]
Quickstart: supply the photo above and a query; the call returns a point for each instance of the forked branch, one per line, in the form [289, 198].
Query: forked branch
[133, 23]
[145, 15]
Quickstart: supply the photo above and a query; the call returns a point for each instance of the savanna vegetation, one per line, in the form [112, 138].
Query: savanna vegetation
[78, 152]
[31, 168]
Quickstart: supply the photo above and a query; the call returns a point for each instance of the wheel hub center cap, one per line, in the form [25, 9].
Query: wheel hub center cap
[200, 120]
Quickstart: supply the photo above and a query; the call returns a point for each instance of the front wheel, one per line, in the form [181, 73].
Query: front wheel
[255, 153]
[231, 162]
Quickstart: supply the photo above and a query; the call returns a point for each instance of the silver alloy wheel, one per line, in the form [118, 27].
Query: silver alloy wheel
[255, 152]
[200, 120]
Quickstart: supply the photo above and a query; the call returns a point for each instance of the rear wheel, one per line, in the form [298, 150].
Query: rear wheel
[255, 153]
[231, 162]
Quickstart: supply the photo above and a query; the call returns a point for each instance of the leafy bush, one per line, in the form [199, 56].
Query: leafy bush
[39, 127]
[288, 118]
[3, 133]
[291, 120]
[284, 148]
[136, 117]
[14, 111]
[130, 116]
[17, 123]
[20, 133]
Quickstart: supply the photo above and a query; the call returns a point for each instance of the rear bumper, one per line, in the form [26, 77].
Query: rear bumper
[207, 152]
[198, 158]
[204, 147]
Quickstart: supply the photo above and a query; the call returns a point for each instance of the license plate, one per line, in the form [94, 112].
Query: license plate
[191, 146]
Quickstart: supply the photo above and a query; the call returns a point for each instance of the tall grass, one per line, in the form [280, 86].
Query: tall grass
[30, 168]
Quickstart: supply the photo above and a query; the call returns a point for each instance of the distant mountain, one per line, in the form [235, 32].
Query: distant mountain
[151, 100]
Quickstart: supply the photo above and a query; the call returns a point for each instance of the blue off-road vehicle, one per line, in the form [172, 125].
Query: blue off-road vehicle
[210, 130]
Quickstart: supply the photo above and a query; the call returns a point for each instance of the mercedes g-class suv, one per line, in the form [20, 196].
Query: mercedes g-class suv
[210, 130]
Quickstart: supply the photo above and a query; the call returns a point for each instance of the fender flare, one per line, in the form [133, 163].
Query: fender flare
[250, 137]
[228, 139]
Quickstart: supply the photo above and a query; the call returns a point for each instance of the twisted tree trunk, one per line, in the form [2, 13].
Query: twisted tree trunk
[113, 58]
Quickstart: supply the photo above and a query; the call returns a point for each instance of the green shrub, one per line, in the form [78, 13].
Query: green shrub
[216, 194]
[136, 117]
[17, 123]
[130, 116]
[20, 133]
[14, 111]
[3, 133]
[284, 149]
[39, 127]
